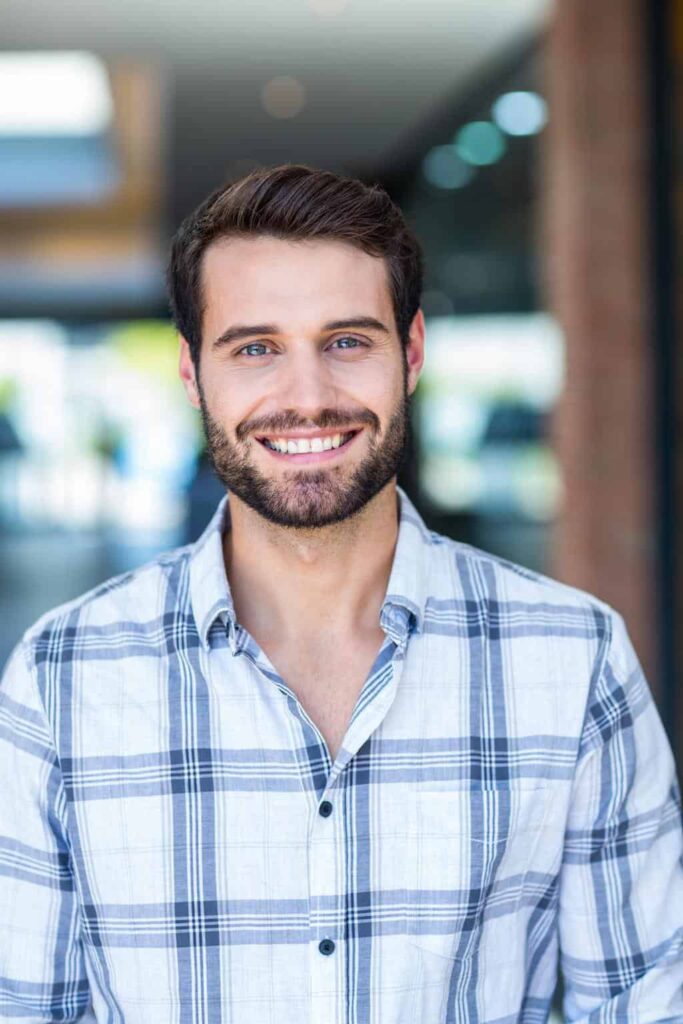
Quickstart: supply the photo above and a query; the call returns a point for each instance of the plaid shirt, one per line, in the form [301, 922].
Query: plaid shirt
[176, 845]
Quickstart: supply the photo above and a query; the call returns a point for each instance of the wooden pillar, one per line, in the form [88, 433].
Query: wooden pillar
[596, 250]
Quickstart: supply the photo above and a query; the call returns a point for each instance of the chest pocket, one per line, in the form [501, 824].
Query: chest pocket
[473, 848]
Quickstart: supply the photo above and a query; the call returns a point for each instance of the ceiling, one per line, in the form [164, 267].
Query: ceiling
[375, 75]
[371, 71]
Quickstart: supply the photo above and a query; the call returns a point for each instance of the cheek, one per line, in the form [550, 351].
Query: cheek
[388, 391]
[374, 386]
[227, 400]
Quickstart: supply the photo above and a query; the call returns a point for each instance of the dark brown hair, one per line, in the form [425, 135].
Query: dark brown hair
[294, 202]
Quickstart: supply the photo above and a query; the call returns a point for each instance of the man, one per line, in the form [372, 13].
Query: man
[324, 765]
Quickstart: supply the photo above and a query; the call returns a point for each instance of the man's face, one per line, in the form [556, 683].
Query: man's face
[282, 360]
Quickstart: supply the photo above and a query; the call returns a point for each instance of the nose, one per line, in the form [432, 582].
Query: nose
[307, 384]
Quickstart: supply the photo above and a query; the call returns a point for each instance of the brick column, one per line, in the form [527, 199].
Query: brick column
[595, 246]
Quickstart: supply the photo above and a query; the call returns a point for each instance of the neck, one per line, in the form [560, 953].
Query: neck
[306, 583]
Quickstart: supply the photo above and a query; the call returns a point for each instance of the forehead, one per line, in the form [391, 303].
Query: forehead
[272, 279]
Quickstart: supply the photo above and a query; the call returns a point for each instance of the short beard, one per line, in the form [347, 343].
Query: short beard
[310, 498]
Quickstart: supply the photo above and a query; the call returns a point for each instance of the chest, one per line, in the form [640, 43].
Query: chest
[327, 678]
[225, 809]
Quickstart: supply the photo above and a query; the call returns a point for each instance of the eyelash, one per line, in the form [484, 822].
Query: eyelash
[345, 337]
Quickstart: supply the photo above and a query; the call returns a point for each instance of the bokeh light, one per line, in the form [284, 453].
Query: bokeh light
[53, 94]
[444, 168]
[283, 97]
[520, 113]
[480, 143]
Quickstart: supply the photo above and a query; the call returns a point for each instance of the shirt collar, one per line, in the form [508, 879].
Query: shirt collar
[209, 588]
[402, 608]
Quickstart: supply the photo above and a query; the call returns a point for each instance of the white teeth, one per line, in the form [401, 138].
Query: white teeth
[305, 444]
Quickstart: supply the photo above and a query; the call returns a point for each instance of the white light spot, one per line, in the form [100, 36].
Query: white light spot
[520, 113]
[53, 94]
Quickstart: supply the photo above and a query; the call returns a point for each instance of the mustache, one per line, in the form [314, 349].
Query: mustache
[327, 420]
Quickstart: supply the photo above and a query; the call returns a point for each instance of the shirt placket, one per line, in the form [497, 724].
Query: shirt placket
[328, 851]
[326, 948]
[327, 840]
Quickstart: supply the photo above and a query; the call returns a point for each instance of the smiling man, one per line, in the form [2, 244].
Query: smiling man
[324, 765]
[303, 385]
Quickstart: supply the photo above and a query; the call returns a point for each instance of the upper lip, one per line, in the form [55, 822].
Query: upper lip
[294, 434]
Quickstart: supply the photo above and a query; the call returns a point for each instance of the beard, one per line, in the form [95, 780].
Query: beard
[310, 498]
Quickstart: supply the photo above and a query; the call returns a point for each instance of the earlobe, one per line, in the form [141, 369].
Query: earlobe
[192, 394]
[415, 352]
[187, 374]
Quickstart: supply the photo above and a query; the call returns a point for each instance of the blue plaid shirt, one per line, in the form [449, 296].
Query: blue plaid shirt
[177, 846]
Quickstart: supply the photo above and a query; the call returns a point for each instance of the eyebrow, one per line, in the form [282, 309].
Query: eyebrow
[248, 330]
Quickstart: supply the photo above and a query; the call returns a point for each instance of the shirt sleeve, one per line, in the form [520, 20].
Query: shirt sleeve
[621, 883]
[42, 973]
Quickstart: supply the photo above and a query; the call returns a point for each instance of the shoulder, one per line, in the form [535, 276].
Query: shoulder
[504, 589]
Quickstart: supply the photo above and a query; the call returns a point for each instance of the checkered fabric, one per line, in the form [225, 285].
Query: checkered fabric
[177, 846]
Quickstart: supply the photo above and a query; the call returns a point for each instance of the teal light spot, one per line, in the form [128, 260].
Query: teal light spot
[443, 168]
[480, 143]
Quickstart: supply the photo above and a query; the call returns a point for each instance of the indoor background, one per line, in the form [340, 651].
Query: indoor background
[534, 149]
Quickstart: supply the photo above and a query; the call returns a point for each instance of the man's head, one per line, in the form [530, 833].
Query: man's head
[296, 294]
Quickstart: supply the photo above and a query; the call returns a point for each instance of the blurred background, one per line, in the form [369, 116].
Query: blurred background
[533, 147]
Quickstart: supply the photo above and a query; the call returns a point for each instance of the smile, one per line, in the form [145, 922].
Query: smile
[303, 450]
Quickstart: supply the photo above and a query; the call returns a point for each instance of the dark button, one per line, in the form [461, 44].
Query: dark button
[326, 947]
[325, 809]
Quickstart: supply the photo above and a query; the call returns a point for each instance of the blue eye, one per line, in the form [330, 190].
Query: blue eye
[355, 343]
[348, 337]
[254, 344]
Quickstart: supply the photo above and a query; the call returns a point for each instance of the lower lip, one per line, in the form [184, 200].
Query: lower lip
[305, 458]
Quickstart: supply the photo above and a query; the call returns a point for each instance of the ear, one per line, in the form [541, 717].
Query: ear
[415, 350]
[187, 374]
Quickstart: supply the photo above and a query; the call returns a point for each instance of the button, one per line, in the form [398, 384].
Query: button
[325, 809]
[326, 947]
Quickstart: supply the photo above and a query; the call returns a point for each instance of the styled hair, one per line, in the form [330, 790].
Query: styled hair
[294, 202]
